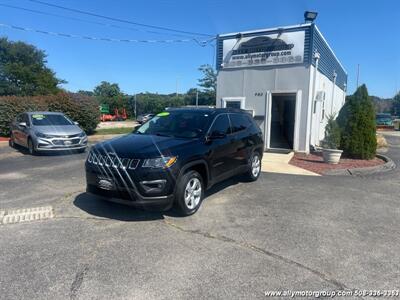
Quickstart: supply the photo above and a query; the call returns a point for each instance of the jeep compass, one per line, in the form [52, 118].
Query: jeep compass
[174, 157]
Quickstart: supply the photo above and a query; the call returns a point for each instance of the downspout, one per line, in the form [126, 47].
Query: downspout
[333, 90]
[344, 93]
[316, 57]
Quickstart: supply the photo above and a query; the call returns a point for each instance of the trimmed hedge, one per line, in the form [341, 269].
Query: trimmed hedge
[80, 108]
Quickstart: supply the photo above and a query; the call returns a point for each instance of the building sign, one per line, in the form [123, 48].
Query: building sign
[264, 50]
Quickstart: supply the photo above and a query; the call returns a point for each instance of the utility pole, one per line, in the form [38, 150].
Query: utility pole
[176, 94]
[358, 73]
[197, 97]
[135, 108]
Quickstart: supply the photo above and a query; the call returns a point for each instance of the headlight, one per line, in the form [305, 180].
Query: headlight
[82, 134]
[41, 135]
[160, 162]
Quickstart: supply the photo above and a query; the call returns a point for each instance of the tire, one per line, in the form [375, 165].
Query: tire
[31, 147]
[189, 193]
[11, 142]
[254, 167]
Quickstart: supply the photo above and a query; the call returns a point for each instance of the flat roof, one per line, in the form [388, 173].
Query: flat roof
[267, 29]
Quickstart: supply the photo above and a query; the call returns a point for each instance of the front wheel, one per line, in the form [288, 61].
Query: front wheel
[255, 167]
[11, 142]
[31, 147]
[190, 193]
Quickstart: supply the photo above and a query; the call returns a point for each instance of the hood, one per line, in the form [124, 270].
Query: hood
[144, 146]
[58, 130]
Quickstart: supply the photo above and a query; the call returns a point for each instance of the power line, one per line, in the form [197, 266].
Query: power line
[120, 20]
[88, 21]
[67, 35]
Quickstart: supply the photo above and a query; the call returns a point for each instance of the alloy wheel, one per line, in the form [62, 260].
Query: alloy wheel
[255, 165]
[193, 193]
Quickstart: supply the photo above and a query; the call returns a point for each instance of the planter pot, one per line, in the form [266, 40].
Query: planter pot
[332, 156]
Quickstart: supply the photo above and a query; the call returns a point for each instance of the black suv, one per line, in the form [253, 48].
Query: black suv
[175, 157]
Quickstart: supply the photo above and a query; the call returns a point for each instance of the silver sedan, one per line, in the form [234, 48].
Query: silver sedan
[47, 131]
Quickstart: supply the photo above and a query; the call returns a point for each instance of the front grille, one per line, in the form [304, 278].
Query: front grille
[62, 136]
[112, 160]
[63, 142]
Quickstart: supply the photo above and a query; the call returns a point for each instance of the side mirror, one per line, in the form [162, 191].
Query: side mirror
[76, 123]
[22, 124]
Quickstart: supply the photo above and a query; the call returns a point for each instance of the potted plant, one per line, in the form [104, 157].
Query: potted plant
[331, 142]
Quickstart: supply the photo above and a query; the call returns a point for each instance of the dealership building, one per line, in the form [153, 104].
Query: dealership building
[289, 78]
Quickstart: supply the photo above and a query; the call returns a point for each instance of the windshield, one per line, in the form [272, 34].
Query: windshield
[177, 124]
[50, 120]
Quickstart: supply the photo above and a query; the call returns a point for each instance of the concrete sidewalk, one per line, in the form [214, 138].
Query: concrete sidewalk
[279, 163]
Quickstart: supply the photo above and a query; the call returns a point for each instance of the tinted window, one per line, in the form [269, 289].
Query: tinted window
[50, 120]
[239, 122]
[221, 125]
[181, 124]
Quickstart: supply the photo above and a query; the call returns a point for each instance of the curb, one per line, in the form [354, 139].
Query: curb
[4, 144]
[387, 166]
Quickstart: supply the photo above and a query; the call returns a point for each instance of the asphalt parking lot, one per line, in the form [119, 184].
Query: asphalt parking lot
[283, 232]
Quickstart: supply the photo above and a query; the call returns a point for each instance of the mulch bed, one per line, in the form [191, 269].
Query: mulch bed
[315, 163]
[4, 139]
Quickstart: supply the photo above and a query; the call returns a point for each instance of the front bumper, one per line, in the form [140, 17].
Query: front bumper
[131, 198]
[145, 188]
[59, 144]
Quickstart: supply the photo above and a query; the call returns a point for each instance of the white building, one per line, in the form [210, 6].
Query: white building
[288, 77]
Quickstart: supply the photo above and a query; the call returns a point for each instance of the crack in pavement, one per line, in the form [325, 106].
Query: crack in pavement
[76, 284]
[286, 260]
[85, 218]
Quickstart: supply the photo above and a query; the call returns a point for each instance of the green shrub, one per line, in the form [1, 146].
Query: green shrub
[357, 124]
[332, 134]
[80, 108]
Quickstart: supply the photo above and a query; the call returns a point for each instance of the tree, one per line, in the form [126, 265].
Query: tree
[332, 134]
[396, 105]
[111, 95]
[382, 105]
[209, 80]
[86, 93]
[205, 98]
[107, 90]
[23, 70]
[357, 124]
